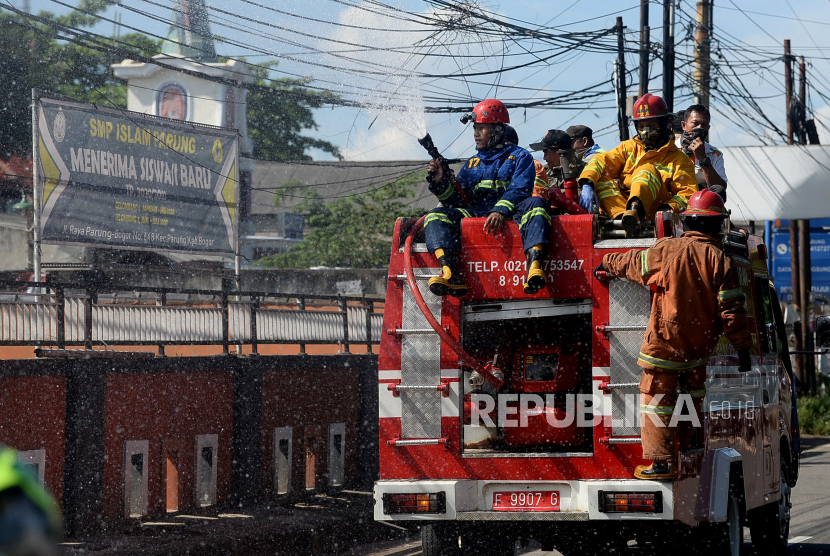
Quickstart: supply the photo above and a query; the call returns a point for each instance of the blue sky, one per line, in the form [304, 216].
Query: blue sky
[759, 33]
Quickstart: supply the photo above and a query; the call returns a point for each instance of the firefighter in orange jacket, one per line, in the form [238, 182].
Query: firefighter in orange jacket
[642, 175]
[697, 299]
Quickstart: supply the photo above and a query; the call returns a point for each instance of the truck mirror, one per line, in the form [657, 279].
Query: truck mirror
[822, 327]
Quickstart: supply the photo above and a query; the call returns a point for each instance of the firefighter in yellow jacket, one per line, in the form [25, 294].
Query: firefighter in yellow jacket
[642, 175]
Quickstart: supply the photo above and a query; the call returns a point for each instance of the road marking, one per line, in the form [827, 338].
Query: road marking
[798, 540]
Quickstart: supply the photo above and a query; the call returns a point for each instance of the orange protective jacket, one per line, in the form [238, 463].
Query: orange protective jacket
[697, 299]
[677, 172]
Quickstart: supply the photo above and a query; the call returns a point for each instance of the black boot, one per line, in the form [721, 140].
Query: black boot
[535, 279]
[657, 471]
[450, 282]
[631, 219]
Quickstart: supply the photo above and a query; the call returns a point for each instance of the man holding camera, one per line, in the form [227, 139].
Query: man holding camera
[709, 168]
[583, 142]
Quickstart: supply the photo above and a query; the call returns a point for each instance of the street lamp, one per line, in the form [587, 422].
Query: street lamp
[23, 204]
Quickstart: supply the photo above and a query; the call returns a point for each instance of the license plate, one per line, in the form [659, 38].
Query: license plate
[526, 501]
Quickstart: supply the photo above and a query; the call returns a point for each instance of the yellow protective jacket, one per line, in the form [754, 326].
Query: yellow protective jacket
[620, 164]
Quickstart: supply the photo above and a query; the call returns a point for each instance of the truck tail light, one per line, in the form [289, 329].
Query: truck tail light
[421, 503]
[627, 502]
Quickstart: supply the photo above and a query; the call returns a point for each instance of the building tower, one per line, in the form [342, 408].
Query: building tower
[193, 85]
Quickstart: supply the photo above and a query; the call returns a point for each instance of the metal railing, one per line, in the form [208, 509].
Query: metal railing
[62, 314]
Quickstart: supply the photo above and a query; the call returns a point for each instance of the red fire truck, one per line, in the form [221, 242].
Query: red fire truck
[476, 480]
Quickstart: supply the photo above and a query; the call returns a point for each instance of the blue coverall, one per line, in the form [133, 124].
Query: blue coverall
[494, 181]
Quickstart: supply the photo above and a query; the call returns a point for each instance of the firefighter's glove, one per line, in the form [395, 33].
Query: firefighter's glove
[597, 270]
[744, 361]
[586, 200]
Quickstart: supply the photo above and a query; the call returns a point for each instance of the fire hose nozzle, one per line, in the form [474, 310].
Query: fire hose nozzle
[429, 146]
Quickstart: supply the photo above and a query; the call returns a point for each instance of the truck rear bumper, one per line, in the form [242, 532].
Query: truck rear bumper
[470, 500]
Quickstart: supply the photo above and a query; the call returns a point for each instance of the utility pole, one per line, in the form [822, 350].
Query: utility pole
[788, 92]
[801, 112]
[644, 47]
[668, 53]
[805, 272]
[622, 89]
[702, 52]
[794, 244]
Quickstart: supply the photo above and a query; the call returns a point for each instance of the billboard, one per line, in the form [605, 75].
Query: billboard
[778, 181]
[125, 180]
[819, 263]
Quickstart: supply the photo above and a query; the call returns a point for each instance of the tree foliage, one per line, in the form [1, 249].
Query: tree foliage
[33, 58]
[348, 232]
[277, 119]
[86, 73]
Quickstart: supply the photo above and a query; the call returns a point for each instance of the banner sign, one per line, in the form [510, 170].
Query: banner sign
[778, 182]
[819, 264]
[125, 180]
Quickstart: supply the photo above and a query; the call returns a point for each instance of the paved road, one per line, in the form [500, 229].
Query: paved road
[810, 525]
[809, 528]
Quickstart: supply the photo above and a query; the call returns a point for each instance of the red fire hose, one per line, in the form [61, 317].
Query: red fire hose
[563, 200]
[445, 336]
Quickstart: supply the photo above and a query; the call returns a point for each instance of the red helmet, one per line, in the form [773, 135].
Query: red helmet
[491, 111]
[705, 203]
[650, 106]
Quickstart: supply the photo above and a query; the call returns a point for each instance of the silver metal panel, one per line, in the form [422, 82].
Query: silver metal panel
[624, 243]
[523, 310]
[416, 248]
[239, 321]
[140, 318]
[419, 442]
[629, 303]
[147, 323]
[521, 516]
[479, 307]
[420, 365]
[290, 324]
[480, 454]
[629, 306]
[28, 321]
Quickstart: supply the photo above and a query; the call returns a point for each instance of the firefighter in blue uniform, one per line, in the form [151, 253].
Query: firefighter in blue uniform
[497, 183]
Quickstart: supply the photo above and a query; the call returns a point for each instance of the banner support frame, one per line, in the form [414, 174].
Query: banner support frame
[36, 249]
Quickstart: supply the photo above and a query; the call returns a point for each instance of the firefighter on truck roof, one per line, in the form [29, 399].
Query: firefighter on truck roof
[697, 300]
[642, 175]
[497, 183]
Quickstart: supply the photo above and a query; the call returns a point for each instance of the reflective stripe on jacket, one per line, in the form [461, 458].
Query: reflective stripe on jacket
[697, 299]
[676, 170]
